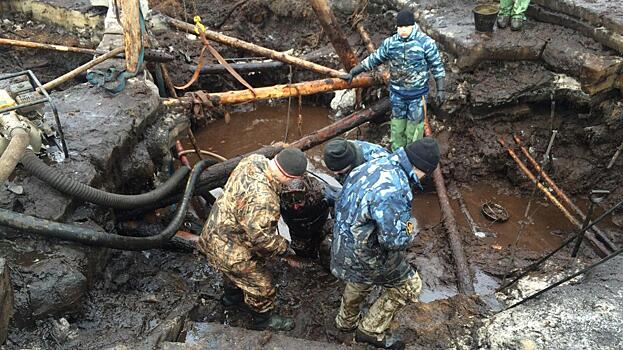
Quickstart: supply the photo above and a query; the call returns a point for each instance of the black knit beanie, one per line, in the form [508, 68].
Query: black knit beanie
[405, 18]
[423, 154]
[339, 154]
[292, 161]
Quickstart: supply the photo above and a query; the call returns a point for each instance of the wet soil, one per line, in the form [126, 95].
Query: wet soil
[46, 64]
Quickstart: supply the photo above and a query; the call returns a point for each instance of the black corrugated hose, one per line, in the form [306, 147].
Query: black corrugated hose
[73, 188]
[89, 236]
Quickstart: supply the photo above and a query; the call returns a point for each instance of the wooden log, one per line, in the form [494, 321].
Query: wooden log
[74, 73]
[332, 28]
[216, 175]
[132, 39]
[278, 91]
[262, 51]
[463, 277]
[364, 36]
[150, 54]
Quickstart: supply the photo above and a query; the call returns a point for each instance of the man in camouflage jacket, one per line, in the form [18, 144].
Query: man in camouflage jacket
[373, 227]
[241, 232]
[410, 54]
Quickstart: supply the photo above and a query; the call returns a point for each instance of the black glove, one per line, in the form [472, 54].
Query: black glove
[358, 69]
[440, 98]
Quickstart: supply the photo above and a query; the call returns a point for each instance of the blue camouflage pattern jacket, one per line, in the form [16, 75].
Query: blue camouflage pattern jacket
[371, 232]
[409, 61]
[371, 150]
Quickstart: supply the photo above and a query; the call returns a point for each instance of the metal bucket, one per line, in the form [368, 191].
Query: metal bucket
[485, 16]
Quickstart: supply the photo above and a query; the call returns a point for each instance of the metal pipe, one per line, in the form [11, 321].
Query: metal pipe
[600, 248]
[555, 187]
[150, 55]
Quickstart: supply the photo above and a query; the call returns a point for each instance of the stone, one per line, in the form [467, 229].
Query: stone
[6, 299]
[577, 316]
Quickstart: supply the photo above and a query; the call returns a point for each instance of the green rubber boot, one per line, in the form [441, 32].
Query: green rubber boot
[414, 131]
[398, 138]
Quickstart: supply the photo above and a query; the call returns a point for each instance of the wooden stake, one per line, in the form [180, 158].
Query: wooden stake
[332, 28]
[132, 38]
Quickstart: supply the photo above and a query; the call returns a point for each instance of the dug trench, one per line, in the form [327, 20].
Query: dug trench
[170, 298]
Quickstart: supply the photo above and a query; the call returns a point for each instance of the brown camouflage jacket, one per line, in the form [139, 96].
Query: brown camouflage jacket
[243, 221]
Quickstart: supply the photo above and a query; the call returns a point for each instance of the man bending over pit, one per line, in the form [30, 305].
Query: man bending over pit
[240, 235]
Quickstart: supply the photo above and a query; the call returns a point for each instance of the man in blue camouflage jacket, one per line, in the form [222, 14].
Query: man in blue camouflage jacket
[341, 155]
[373, 227]
[411, 54]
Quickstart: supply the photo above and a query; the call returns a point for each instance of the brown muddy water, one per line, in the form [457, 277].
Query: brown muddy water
[250, 130]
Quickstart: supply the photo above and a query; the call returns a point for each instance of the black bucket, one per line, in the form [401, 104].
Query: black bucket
[485, 16]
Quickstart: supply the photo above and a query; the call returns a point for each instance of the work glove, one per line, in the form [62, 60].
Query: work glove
[440, 98]
[358, 69]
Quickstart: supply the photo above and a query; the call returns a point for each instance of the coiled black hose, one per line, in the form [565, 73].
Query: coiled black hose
[76, 189]
[31, 224]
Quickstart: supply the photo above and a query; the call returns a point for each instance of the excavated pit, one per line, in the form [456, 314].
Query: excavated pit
[170, 299]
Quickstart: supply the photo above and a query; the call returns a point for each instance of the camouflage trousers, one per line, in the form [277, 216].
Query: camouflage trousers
[407, 124]
[255, 281]
[382, 312]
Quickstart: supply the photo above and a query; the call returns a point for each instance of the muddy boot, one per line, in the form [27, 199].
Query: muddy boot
[516, 24]
[503, 21]
[232, 297]
[270, 320]
[385, 343]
